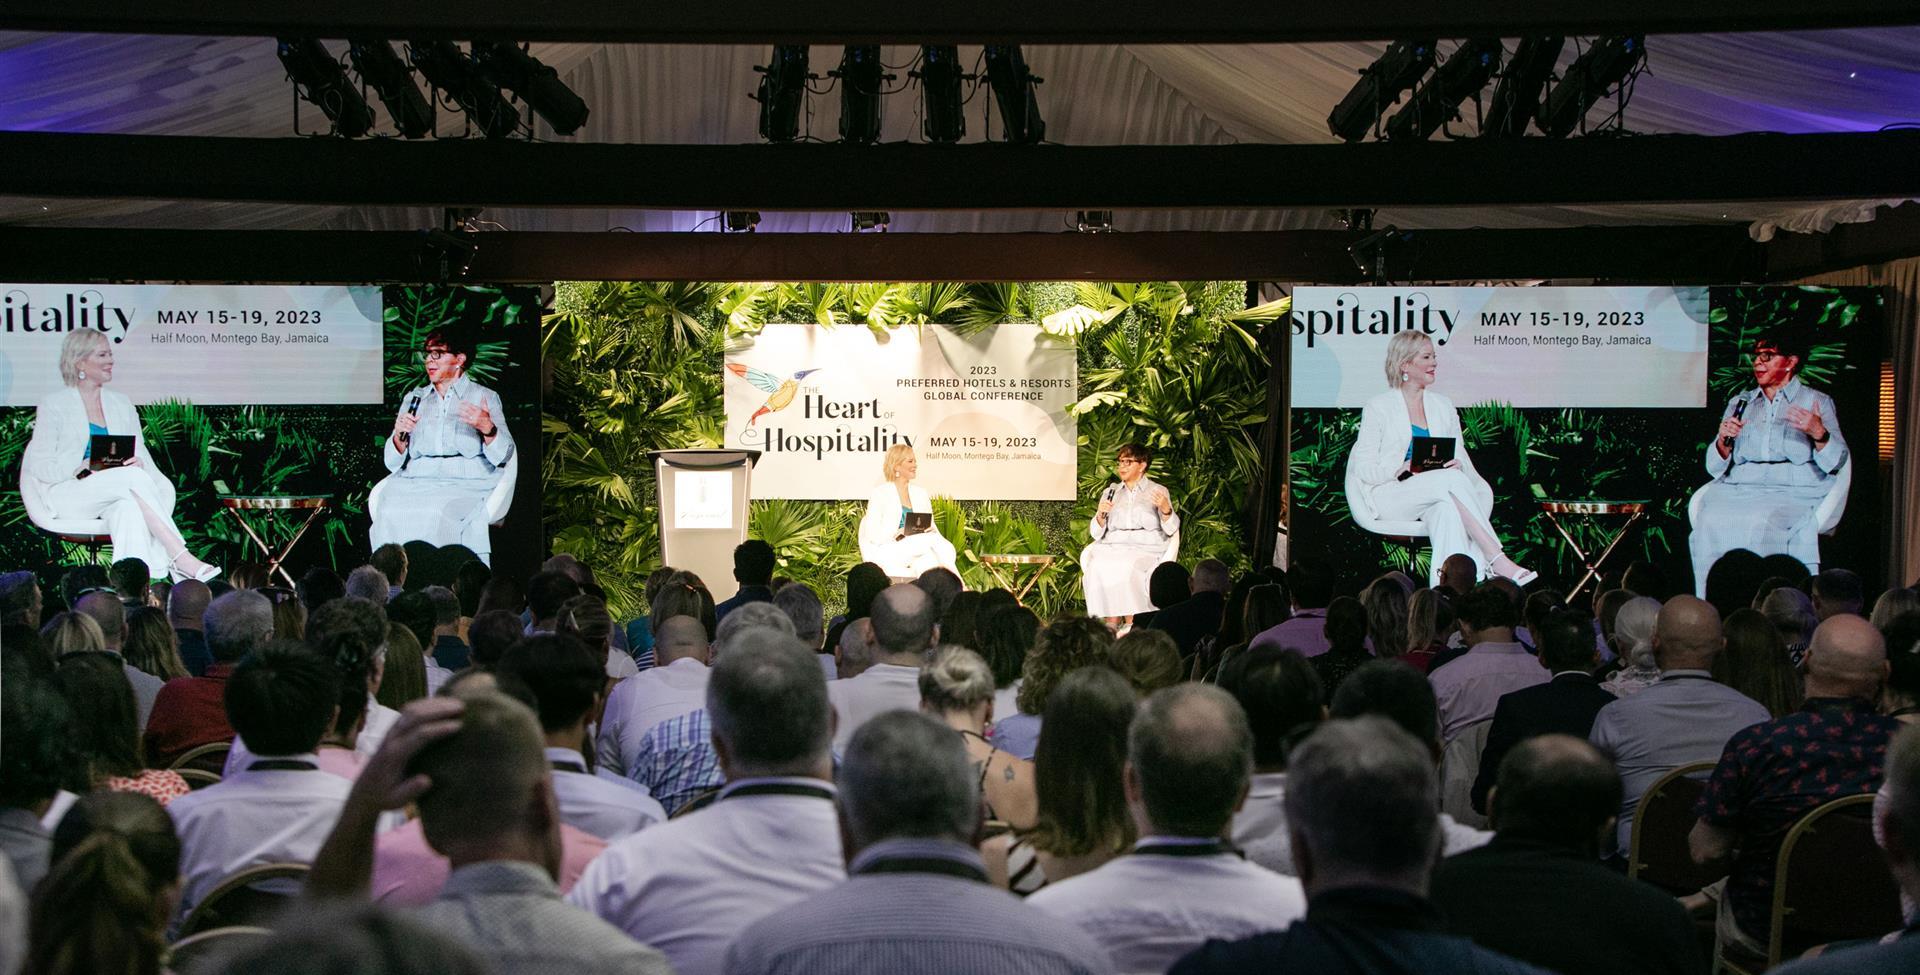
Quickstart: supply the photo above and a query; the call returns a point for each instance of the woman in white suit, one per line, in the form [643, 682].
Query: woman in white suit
[135, 500]
[1454, 502]
[883, 540]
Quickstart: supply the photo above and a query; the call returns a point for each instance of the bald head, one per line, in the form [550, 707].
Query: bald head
[903, 618]
[856, 651]
[1457, 572]
[1686, 634]
[105, 609]
[1556, 789]
[187, 603]
[1190, 755]
[677, 637]
[1847, 658]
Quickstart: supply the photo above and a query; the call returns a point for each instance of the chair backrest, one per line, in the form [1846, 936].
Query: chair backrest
[1658, 851]
[210, 757]
[1459, 766]
[237, 901]
[197, 779]
[1827, 515]
[1831, 882]
[201, 952]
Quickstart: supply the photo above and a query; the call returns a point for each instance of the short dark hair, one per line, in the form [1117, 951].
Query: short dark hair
[1346, 626]
[547, 591]
[391, 560]
[468, 580]
[1169, 585]
[1311, 581]
[36, 726]
[1839, 586]
[907, 775]
[1193, 766]
[130, 578]
[753, 562]
[1393, 691]
[864, 581]
[458, 339]
[1556, 789]
[1136, 451]
[79, 579]
[1486, 606]
[349, 633]
[1281, 695]
[281, 698]
[1565, 639]
[767, 700]
[1005, 635]
[319, 586]
[1785, 341]
[940, 583]
[491, 634]
[564, 674]
[414, 610]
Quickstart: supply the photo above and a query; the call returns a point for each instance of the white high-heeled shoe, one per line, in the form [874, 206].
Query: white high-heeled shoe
[207, 571]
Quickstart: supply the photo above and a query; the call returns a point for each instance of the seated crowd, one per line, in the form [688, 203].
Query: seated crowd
[426, 767]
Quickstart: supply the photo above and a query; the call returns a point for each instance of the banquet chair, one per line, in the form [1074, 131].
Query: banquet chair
[1830, 884]
[240, 899]
[198, 952]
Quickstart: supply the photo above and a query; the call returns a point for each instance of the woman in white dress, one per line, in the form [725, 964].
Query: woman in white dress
[1131, 530]
[883, 537]
[448, 445]
[1453, 502]
[135, 500]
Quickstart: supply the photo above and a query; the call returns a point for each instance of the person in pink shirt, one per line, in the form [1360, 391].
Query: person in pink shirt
[1469, 687]
[407, 872]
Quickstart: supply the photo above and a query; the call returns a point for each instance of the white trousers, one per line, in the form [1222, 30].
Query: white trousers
[912, 555]
[109, 495]
[1114, 576]
[1429, 498]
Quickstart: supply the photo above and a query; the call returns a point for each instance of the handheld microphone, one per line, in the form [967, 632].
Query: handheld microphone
[413, 409]
[1739, 410]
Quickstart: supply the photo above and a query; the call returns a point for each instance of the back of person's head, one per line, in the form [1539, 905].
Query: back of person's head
[334, 937]
[856, 651]
[1266, 607]
[106, 730]
[1633, 629]
[491, 633]
[940, 584]
[391, 560]
[490, 778]
[676, 637]
[1148, 659]
[151, 644]
[864, 582]
[109, 613]
[1565, 640]
[1785, 568]
[22, 654]
[1211, 575]
[1538, 604]
[566, 676]
[413, 610]
[1486, 607]
[36, 742]
[1395, 692]
[370, 584]
[1079, 765]
[546, 591]
[1346, 626]
[1893, 603]
[289, 615]
[903, 619]
[767, 701]
[1004, 636]
[446, 606]
[469, 581]
[684, 595]
[1902, 635]
[960, 623]
[1755, 663]
[1687, 634]
[317, 587]
[1732, 579]
[1281, 696]
[1060, 648]
[753, 562]
[501, 593]
[656, 581]
[1458, 571]
[1169, 585]
[19, 598]
[237, 624]
[281, 699]
[747, 617]
[802, 606]
[1311, 580]
[129, 578]
[1556, 789]
[586, 618]
[1191, 752]
[1386, 606]
[1363, 804]
[955, 679]
[569, 565]
[103, 906]
[1838, 591]
[1606, 609]
[1847, 658]
[72, 632]
[907, 776]
[1643, 578]
[75, 582]
[1424, 619]
[351, 633]
[403, 669]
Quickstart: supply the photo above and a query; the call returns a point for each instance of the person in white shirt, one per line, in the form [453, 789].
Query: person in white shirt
[1189, 759]
[690, 886]
[903, 621]
[568, 682]
[1280, 693]
[675, 685]
[279, 807]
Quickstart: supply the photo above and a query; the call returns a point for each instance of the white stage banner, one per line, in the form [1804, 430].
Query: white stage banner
[1528, 347]
[985, 413]
[209, 345]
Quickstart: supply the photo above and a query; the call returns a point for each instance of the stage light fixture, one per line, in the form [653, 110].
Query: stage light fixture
[449, 69]
[783, 84]
[1516, 99]
[1380, 85]
[1013, 91]
[864, 220]
[1462, 76]
[1604, 65]
[942, 118]
[861, 76]
[1093, 221]
[739, 221]
[318, 78]
[384, 72]
[509, 66]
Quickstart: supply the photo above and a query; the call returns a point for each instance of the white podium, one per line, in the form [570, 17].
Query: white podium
[703, 511]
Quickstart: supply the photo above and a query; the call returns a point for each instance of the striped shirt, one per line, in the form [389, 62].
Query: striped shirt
[676, 761]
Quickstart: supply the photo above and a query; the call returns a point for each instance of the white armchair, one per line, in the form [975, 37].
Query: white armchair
[498, 501]
[1827, 515]
[80, 531]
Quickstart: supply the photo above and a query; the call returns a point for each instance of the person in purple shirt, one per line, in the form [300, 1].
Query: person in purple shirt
[1311, 582]
[1469, 687]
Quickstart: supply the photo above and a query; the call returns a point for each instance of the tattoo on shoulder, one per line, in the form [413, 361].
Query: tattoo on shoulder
[1008, 773]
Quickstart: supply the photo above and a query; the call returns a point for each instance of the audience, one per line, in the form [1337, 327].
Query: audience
[1429, 622]
[1198, 614]
[1537, 891]
[674, 686]
[956, 688]
[753, 564]
[1892, 604]
[1148, 659]
[1566, 704]
[36, 755]
[490, 635]
[191, 711]
[903, 625]
[1458, 573]
[1755, 663]
[448, 649]
[129, 578]
[864, 582]
[20, 599]
[106, 740]
[103, 908]
[370, 584]
[959, 625]
[317, 587]
[392, 561]
[1386, 605]
[1386, 689]
[1470, 686]
[186, 606]
[1281, 696]
[403, 668]
[106, 611]
[357, 938]
[941, 585]
[802, 606]
[547, 591]
[1791, 612]
[1902, 697]
[1684, 717]
[1061, 647]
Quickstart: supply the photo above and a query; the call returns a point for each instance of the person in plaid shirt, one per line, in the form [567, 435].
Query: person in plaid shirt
[1777, 771]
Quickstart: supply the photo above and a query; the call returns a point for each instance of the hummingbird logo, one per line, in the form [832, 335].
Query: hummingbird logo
[783, 390]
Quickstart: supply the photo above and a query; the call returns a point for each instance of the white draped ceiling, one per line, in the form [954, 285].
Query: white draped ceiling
[1824, 81]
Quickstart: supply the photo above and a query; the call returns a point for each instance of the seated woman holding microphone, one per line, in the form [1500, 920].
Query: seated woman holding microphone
[1131, 530]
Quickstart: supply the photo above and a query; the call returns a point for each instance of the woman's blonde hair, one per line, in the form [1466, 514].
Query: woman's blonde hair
[955, 679]
[72, 632]
[1400, 351]
[78, 345]
[896, 454]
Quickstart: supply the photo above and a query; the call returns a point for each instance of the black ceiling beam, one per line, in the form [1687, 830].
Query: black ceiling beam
[913, 176]
[1893, 234]
[1000, 21]
[1690, 254]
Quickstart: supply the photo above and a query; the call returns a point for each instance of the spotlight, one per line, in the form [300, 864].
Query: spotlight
[1380, 85]
[446, 255]
[509, 66]
[388, 76]
[1516, 99]
[318, 78]
[942, 119]
[1369, 253]
[447, 68]
[1013, 88]
[739, 221]
[870, 220]
[1604, 65]
[1093, 221]
[783, 83]
[861, 74]
[1465, 73]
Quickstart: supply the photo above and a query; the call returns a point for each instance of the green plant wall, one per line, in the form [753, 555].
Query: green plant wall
[635, 367]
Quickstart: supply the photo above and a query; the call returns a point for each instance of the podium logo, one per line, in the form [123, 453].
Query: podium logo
[64, 311]
[1375, 312]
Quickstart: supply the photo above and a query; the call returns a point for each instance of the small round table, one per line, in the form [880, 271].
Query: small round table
[1591, 511]
[271, 507]
[1014, 559]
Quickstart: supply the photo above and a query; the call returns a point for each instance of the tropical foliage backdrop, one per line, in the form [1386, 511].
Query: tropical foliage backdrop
[635, 366]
